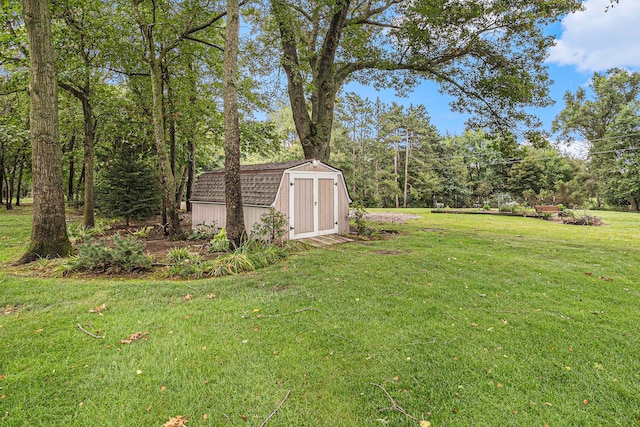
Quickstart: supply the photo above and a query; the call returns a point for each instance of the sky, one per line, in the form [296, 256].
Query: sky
[587, 41]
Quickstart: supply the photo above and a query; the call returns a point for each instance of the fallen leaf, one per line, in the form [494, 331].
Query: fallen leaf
[163, 388]
[178, 421]
[500, 385]
[138, 372]
[424, 423]
[586, 402]
[454, 410]
[211, 296]
[187, 297]
[595, 365]
[548, 403]
[81, 404]
[504, 321]
[474, 324]
[3, 376]
[588, 273]
[205, 416]
[149, 408]
[396, 378]
[99, 309]
[255, 310]
[134, 337]
[244, 417]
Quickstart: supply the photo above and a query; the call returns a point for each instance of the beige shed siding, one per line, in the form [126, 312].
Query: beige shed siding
[343, 207]
[210, 213]
[326, 204]
[303, 206]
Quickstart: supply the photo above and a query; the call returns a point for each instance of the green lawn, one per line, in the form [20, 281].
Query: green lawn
[464, 319]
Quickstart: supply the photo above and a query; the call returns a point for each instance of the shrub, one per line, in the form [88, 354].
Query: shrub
[219, 243]
[359, 216]
[125, 255]
[203, 232]
[271, 227]
[185, 263]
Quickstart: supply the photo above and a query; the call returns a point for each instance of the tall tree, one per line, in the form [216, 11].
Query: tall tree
[236, 232]
[591, 114]
[158, 42]
[49, 229]
[488, 55]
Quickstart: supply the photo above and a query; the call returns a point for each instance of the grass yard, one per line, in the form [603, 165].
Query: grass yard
[463, 319]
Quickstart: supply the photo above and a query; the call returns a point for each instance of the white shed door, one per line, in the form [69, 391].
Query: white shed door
[313, 204]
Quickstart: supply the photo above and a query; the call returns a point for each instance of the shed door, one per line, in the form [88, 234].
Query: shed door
[313, 204]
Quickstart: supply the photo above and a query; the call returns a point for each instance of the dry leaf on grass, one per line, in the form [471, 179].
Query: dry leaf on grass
[187, 297]
[178, 421]
[134, 337]
[99, 309]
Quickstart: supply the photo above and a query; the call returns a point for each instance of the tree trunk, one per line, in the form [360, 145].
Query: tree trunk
[19, 189]
[395, 172]
[313, 130]
[191, 170]
[407, 151]
[88, 162]
[167, 180]
[236, 232]
[49, 230]
[70, 182]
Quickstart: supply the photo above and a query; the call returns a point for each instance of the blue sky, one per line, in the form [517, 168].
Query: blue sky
[587, 41]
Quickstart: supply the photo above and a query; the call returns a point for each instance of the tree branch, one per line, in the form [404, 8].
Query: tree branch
[204, 42]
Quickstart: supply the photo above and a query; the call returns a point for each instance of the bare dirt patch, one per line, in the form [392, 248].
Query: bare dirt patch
[391, 217]
[384, 252]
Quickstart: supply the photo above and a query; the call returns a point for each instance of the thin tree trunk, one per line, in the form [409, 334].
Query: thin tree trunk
[191, 170]
[395, 172]
[19, 189]
[407, 151]
[70, 181]
[88, 162]
[167, 179]
[236, 232]
[49, 229]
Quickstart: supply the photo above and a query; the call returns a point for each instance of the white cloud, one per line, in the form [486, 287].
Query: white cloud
[593, 40]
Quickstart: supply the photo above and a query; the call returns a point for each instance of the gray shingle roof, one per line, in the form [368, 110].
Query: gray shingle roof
[259, 183]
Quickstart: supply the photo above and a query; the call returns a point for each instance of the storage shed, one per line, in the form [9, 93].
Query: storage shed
[312, 195]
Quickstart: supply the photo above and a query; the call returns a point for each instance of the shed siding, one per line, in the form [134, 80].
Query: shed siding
[210, 213]
[343, 208]
[303, 206]
[326, 204]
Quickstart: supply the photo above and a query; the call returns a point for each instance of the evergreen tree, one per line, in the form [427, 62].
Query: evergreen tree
[128, 186]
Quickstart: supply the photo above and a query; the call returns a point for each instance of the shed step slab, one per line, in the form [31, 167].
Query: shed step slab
[330, 239]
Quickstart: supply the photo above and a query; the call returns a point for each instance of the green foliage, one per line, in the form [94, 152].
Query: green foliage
[203, 232]
[271, 227]
[126, 254]
[359, 217]
[219, 243]
[142, 232]
[184, 263]
[128, 186]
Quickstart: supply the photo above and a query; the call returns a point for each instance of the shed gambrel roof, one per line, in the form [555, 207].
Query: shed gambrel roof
[260, 183]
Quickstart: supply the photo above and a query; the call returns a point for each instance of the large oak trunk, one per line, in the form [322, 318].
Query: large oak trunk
[236, 232]
[49, 230]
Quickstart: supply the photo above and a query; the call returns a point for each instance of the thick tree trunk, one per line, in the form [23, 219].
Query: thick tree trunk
[236, 232]
[313, 130]
[49, 230]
